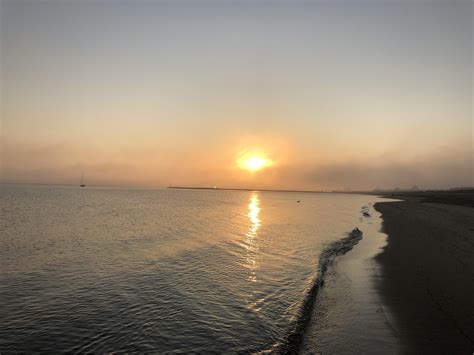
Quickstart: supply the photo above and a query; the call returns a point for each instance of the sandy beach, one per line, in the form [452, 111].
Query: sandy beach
[427, 271]
[407, 287]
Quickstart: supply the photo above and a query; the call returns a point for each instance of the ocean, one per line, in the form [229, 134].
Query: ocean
[134, 270]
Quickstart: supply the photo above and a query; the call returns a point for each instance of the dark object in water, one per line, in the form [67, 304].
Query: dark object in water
[298, 201]
[365, 211]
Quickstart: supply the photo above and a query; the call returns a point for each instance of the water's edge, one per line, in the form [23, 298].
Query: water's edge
[294, 339]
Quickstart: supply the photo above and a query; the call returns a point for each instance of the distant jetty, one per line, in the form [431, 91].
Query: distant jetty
[242, 189]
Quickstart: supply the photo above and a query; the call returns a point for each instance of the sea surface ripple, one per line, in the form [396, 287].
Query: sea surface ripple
[124, 270]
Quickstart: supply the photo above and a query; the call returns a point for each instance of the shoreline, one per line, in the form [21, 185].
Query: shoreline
[349, 315]
[427, 272]
[295, 339]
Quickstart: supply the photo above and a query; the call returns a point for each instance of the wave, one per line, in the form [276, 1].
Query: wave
[293, 341]
[366, 211]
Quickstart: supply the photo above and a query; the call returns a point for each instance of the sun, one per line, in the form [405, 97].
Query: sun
[253, 162]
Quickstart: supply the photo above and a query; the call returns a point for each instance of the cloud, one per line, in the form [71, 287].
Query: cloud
[440, 169]
[62, 162]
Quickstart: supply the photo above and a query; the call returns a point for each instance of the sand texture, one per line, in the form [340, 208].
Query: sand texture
[427, 271]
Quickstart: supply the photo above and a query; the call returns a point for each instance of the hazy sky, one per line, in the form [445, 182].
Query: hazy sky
[337, 93]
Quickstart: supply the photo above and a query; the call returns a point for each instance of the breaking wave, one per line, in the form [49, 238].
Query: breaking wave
[294, 339]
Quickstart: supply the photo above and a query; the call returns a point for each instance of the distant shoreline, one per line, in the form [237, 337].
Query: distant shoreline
[450, 197]
[456, 195]
[242, 189]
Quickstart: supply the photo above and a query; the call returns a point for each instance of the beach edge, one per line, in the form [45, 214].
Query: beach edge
[295, 338]
[425, 274]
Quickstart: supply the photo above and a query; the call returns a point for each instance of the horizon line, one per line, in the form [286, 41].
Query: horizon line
[372, 191]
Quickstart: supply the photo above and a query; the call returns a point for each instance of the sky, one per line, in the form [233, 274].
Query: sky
[336, 94]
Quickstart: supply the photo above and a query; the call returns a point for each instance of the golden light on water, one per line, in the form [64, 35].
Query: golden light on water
[253, 213]
[253, 162]
[251, 242]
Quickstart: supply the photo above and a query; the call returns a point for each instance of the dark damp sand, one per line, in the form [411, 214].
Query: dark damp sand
[427, 271]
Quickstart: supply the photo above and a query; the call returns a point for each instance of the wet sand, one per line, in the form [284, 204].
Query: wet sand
[427, 272]
[349, 315]
[408, 287]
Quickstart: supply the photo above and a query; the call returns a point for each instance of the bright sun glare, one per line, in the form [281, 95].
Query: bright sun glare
[253, 163]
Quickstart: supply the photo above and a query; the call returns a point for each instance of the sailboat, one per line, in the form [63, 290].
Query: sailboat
[82, 180]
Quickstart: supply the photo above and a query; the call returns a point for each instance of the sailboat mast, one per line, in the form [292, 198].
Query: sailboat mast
[82, 179]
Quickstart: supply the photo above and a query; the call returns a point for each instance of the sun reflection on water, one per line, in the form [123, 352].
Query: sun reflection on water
[251, 242]
[254, 211]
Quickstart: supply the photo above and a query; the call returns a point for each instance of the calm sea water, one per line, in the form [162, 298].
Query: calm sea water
[104, 269]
